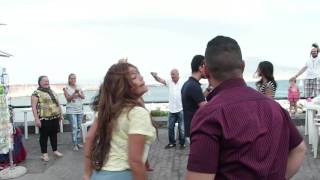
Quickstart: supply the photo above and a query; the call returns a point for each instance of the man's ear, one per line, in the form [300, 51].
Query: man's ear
[206, 72]
[243, 65]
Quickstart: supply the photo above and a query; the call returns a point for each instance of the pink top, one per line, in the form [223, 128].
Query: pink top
[293, 92]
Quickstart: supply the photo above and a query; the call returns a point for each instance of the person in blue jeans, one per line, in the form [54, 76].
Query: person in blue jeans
[74, 96]
[175, 118]
[175, 107]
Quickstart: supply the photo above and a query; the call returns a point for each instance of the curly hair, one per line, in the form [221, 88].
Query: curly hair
[114, 95]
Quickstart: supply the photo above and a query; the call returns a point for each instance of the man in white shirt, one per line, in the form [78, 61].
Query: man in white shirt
[312, 67]
[175, 107]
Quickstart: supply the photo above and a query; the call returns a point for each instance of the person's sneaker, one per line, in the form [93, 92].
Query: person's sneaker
[170, 146]
[182, 146]
[45, 157]
[75, 148]
[58, 154]
[80, 146]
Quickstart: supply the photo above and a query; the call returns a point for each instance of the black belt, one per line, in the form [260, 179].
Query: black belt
[50, 118]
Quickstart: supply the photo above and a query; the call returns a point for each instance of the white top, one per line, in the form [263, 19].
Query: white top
[313, 70]
[175, 102]
[75, 106]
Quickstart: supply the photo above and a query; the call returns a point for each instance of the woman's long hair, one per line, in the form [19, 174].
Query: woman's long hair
[266, 70]
[115, 94]
[95, 100]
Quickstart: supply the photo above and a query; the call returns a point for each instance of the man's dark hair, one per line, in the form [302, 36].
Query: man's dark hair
[315, 45]
[197, 61]
[223, 58]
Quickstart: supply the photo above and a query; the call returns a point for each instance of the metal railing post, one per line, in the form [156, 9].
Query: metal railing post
[25, 124]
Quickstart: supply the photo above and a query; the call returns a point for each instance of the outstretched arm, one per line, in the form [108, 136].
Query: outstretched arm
[299, 73]
[157, 78]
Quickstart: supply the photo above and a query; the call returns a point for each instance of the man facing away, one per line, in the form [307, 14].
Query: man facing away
[175, 107]
[191, 92]
[240, 133]
[312, 81]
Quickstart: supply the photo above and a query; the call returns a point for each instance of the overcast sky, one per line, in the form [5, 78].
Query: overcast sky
[85, 37]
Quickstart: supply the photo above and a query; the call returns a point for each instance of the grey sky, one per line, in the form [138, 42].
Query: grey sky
[85, 37]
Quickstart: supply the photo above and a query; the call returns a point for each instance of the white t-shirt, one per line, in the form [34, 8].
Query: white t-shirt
[313, 68]
[175, 102]
[75, 106]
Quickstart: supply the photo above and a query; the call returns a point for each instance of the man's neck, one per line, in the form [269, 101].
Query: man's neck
[196, 75]
[214, 82]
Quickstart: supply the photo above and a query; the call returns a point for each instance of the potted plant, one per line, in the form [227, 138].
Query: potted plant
[159, 117]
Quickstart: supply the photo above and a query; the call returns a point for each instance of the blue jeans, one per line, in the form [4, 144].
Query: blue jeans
[76, 120]
[176, 118]
[112, 175]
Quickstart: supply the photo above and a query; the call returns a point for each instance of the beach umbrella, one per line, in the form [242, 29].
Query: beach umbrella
[6, 131]
[4, 54]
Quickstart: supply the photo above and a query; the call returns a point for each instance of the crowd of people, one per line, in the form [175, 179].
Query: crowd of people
[232, 130]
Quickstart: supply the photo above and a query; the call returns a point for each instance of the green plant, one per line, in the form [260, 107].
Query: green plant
[159, 113]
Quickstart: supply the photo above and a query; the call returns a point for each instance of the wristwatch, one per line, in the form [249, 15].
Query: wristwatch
[208, 89]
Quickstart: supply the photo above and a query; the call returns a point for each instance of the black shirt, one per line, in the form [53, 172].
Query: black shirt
[192, 95]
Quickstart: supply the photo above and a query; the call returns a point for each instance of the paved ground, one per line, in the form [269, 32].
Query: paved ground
[168, 164]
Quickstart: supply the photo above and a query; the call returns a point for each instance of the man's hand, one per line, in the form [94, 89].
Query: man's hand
[293, 78]
[123, 60]
[154, 74]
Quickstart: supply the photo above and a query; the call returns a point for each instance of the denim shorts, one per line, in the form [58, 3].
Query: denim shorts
[114, 175]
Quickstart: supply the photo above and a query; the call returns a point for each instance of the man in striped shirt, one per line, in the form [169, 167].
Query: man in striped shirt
[240, 133]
